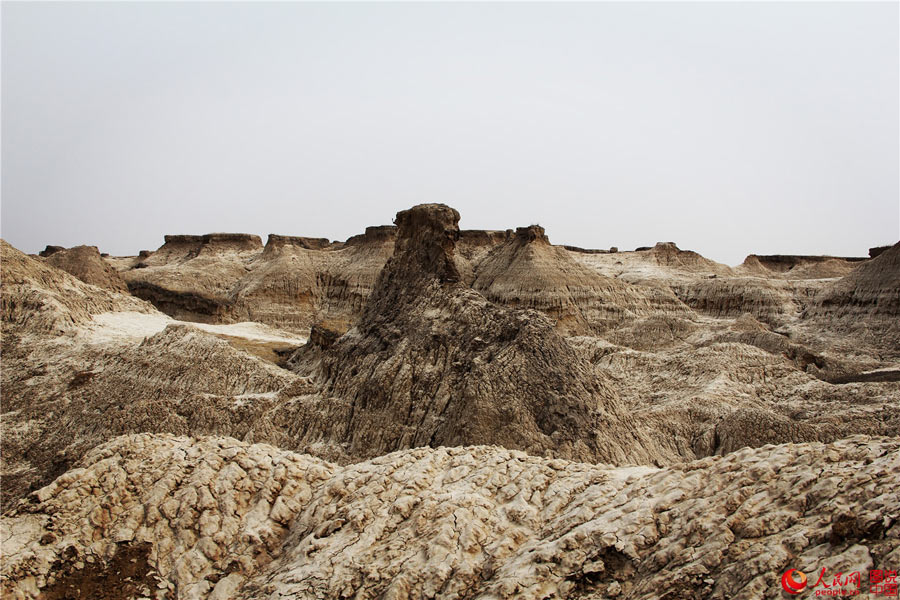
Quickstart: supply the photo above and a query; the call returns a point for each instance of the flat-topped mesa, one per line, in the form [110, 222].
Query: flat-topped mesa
[245, 241]
[182, 247]
[786, 262]
[190, 277]
[240, 241]
[483, 237]
[581, 250]
[182, 239]
[276, 241]
[375, 234]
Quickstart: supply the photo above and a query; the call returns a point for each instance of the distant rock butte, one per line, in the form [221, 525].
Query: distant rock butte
[235, 240]
[85, 263]
[873, 252]
[786, 262]
[865, 303]
[375, 234]
[799, 267]
[49, 250]
[277, 241]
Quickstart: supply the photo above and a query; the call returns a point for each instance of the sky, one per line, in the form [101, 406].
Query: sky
[729, 128]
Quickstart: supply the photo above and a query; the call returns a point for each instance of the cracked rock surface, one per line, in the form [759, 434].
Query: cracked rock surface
[217, 518]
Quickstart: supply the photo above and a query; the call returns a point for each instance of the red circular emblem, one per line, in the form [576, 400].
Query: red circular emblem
[793, 581]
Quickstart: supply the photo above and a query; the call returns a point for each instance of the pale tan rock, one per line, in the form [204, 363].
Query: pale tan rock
[865, 303]
[85, 263]
[528, 272]
[486, 522]
[43, 299]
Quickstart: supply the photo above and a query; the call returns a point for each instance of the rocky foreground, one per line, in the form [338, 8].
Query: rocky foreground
[167, 517]
[428, 412]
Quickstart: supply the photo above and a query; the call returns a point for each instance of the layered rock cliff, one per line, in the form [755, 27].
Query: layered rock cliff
[865, 303]
[290, 283]
[190, 277]
[713, 289]
[526, 271]
[798, 266]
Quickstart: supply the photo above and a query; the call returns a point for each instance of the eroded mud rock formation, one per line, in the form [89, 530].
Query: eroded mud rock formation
[49, 250]
[705, 381]
[290, 283]
[69, 383]
[432, 362]
[191, 277]
[211, 242]
[293, 285]
[716, 290]
[376, 234]
[185, 305]
[653, 357]
[668, 254]
[276, 241]
[71, 397]
[213, 518]
[297, 281]
[37, 297]
[800, 267]
[865, 303]
[770, 301]
[528, 272]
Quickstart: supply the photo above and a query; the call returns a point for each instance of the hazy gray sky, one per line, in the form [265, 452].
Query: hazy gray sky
[728, 128]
